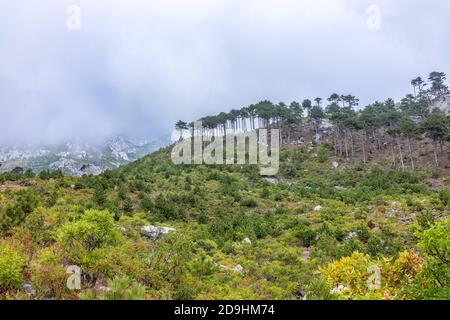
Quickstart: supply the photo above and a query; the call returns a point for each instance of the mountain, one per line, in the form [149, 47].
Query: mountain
[77, 158]
[151, 229]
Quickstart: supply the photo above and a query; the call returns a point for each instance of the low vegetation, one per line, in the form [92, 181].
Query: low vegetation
[333, 224]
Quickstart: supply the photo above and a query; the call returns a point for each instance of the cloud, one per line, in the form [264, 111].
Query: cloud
[135, 67]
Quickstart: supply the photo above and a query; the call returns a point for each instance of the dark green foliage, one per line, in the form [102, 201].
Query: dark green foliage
[25, 201]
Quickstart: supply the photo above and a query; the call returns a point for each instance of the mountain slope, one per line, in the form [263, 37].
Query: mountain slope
[234, 234]
[74, 158]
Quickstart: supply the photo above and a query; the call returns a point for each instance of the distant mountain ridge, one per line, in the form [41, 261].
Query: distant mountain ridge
[78, 158]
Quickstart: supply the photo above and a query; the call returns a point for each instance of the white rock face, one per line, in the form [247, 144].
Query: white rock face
[442, 103]
[318, 208]
[155, 233]
[238, 269]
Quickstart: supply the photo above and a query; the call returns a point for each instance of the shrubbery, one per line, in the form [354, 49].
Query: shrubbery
[12, 263]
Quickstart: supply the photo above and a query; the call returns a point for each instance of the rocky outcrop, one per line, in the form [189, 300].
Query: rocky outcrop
[154, 233]
[443, 103]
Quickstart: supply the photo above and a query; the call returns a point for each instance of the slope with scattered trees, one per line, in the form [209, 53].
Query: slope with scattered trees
[369, 228]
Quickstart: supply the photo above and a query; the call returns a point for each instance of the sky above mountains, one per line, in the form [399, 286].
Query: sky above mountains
[89, 69]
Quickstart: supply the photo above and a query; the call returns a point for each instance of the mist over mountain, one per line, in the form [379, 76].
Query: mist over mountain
[138, 66]
[76, 158]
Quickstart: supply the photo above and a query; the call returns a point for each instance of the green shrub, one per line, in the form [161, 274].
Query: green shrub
[307, 235]
[47, 275]
[95, 229]
[324, 153]
[12, 263]
[435, 243]
[203, 266]
[124, 288]
[444, 196]
[249, 202]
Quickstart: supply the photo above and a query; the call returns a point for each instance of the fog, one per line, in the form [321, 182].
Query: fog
[135, 67]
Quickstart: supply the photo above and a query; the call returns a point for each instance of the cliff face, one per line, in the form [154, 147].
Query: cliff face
[442, 103]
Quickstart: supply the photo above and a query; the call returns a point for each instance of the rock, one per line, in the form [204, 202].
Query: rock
[104, 289]
[351, 235]
[271, 180]
[123, 230]
[393, 210]
[335, 164]
[155, 233]
[238, 269]
[29, 289]
[340, 188]
[318, 208]
[306, 254]
[326, 124]
[247, 241]
[317, 137]
[339, 289]
[442, 103]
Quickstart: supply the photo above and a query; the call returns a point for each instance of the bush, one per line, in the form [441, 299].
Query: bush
[306, 234]
[99, 196]
[47, 275]
[203, 266]
[95, 229]
[12, 263]
[444, 196]
[120, 288]
[15, 213]
[249, 202]
[435, 243]
[324, 153]
[351, 272]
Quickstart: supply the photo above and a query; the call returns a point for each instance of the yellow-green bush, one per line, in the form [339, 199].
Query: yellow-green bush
[12, 263]
[351, 272]
[48, 276]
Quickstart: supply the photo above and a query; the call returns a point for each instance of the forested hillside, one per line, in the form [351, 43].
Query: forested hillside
[359, 210]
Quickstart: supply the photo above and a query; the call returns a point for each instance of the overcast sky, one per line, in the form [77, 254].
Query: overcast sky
[135, 67]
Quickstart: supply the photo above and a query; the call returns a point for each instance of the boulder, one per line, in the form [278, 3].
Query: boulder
[29, 289]
[154, 233]
[306, 254]
[339, 289]
[238, 269]
[271, 180]
[318, 208]
[351, 235]
[247, 241]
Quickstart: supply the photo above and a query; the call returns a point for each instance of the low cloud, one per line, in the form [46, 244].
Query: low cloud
[135, 67]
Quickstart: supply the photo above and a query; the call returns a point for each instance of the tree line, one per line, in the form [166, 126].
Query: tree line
[381, 126]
